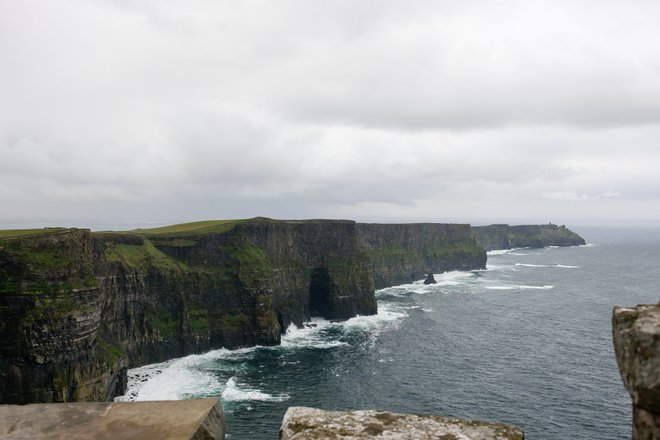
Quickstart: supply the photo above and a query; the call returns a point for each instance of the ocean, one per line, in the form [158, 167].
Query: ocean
[526, 341]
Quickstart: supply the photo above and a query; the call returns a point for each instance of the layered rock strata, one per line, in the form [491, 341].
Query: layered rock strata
[403, 253]
[636, 336]
[536, 236]
[302, 423]
[79, 308]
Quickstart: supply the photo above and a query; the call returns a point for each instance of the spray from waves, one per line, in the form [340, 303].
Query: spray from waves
[322, 334]
[235, 392]
[498, 252]
[176, 379]
[312, 335]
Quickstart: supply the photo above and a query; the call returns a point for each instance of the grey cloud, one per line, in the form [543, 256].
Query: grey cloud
[164, 110]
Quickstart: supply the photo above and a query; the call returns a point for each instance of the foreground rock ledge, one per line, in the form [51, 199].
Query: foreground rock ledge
[302, 423]
[200, 419]
[636, 335]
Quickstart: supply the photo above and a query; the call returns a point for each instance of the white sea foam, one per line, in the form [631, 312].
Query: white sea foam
[388, 315]
[310, 336]
[560, 266]
[498, 252]
[519, 287]
[235, 392]
[174, 379]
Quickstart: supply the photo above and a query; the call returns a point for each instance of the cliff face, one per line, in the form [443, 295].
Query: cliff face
[402, 253]
[507, 237]
[636, 335]
[78, 308]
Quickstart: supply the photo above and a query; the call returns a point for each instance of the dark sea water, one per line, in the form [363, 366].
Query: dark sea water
[526, 342]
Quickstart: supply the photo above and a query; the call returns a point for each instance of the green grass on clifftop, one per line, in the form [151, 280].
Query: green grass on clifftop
[203, 227]
[141, 256]
[16, 233]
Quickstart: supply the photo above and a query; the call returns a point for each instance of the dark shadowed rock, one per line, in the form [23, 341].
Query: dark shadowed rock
[314, 424]
[430, 279]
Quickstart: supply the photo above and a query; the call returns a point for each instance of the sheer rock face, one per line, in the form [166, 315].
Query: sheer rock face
[403, 253]
[78, 308]
[309, 424]
[636, 335]
[536, 236]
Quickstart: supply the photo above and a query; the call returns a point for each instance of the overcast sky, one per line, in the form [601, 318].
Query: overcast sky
[166, 111]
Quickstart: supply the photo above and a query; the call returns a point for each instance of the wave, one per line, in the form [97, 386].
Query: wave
[176, 379]
[309, 336]
[498, 252]
[504, 251]
[560, 266]
[519, 287]
[233, 392]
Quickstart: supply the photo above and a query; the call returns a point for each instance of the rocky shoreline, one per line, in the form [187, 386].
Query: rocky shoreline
[80, 307]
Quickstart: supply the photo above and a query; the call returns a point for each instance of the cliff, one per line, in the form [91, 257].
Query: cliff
[536, 236]
[79, 308]
[636, 336]
[402, 253]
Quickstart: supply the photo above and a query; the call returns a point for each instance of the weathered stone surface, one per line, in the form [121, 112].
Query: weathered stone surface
[302, 423]
[636, 335]
[176, 420]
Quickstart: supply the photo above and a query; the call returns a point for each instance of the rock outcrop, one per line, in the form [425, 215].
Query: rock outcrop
[302, 423]
[536, 236]
[200, 419]
[79, 308]
[636, 335]
[403, 253]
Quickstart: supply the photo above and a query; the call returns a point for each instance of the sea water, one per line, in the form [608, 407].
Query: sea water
[526, 341]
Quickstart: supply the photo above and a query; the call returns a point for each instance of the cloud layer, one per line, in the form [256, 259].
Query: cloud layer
[378, 110]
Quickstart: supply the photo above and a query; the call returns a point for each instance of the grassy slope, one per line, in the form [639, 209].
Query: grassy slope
[16, 233]
[203, 227]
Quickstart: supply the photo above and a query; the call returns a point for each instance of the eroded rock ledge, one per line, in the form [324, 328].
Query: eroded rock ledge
[302, 423]
[636, 335]
[200, 419]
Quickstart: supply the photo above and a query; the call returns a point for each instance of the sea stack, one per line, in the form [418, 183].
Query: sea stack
[430, 279]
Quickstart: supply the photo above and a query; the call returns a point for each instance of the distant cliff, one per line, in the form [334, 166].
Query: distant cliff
[507, 237]
[402, 253]
[78, 308]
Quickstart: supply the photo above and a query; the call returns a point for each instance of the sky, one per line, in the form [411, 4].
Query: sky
[160, 111]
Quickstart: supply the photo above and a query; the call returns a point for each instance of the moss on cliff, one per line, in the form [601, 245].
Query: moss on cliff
[143, 256]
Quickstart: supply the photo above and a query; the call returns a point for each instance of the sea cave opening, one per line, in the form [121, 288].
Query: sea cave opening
[319, 293]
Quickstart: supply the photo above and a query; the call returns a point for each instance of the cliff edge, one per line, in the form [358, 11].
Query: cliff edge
[81, 307]
[493, 237]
